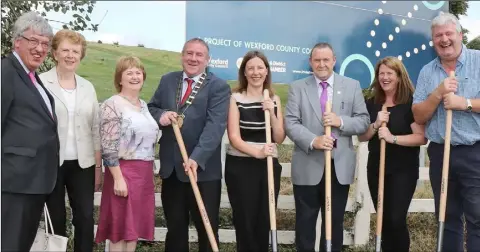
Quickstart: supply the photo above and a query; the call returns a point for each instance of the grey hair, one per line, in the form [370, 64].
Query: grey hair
[322, 45]
[445, 18]
[199, 40]
[31, 20]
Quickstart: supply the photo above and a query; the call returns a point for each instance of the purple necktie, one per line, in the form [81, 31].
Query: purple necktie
[324, 96]
[323, 103]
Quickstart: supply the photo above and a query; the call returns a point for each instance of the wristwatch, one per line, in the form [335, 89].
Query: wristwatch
[394, 139]
[469, 105]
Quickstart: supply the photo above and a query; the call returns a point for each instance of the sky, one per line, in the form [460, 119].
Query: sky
[161, 24]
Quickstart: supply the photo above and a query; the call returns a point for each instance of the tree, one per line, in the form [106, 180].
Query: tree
[474, 44]
[459, 7]
[12, 9]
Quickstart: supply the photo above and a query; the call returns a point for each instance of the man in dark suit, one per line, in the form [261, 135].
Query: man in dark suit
[198, 101]
[29, 134]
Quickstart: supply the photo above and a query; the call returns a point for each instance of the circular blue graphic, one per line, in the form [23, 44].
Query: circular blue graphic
[363, 59]
[433, 6]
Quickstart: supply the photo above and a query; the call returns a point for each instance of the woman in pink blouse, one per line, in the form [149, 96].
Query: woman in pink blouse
[128, 134]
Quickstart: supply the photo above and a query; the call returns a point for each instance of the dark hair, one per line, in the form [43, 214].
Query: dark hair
[404, 92]
[242, 79]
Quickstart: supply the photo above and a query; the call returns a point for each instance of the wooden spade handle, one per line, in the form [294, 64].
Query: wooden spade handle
[381, 180]
[271, 192]
[328, 182]
[196, 191]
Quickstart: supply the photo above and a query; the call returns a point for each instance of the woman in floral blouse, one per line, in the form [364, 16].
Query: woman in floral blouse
[128, 135]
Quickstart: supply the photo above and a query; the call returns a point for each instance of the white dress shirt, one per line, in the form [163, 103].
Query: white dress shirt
[39, 88]
[195, 79]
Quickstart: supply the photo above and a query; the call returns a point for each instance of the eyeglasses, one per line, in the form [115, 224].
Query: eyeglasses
[34, 43]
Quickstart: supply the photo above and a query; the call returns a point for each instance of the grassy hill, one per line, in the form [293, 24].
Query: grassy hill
[98, 67]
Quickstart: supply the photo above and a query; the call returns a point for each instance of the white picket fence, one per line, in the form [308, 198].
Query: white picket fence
[360, 203]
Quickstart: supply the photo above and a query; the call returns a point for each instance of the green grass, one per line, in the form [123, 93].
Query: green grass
[98, 67]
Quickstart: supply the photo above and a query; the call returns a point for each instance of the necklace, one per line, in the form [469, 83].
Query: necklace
[65, 89]
[70, 91]
[136, 103]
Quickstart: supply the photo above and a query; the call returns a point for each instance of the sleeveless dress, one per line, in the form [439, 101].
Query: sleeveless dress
[247, 182]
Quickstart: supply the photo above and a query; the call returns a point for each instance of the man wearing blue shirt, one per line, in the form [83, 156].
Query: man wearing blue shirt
[435, 92]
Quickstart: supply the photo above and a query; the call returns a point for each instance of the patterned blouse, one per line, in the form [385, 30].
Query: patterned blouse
[125, 132]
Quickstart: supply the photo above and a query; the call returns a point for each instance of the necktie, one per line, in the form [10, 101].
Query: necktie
[189, 90]
[324, 96]
[32, 77]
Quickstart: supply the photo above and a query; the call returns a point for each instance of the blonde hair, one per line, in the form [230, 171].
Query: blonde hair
[73, 37]
[124, 63]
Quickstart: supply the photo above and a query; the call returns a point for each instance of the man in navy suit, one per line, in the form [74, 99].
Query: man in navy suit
[30, 141]
[198, 101]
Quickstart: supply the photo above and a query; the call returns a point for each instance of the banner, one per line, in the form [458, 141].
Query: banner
[360, 32]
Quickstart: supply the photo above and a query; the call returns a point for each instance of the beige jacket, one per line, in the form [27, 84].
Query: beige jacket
[86, 117]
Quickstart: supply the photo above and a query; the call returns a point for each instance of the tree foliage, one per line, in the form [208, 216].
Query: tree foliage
[474, 44]
[12, 9]
[457, 8]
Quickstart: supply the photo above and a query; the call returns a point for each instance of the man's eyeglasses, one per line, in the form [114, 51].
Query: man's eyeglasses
[34, 43]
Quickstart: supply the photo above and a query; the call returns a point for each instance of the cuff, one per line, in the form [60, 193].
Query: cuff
[111, 162]
[341, 123]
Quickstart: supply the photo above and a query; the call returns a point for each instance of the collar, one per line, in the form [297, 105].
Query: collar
[21, 62]
[195, 78]
[329, 80]
[461, 59]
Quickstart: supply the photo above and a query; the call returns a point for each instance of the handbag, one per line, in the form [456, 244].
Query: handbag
[45, 241]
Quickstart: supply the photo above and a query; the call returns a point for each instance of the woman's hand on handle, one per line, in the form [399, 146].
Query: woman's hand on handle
[265, 151]
[382, 116]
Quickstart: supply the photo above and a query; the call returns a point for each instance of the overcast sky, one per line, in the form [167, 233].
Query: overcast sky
[161, 24]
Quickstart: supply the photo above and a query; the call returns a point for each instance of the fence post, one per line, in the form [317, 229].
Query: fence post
[362, 198]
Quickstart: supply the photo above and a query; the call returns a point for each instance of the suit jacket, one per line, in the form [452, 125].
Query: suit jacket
[86, 117]
[203, 127]
[303, 122]
[30, 142]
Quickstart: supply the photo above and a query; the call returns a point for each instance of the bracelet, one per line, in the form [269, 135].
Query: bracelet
[375, 130]
[98, 166]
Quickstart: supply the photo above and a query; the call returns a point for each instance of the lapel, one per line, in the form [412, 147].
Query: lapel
[173, 101]
[205, 82]
[312, 94]
[26, 80]
[81, 92]
[54, 86]
[338, 91]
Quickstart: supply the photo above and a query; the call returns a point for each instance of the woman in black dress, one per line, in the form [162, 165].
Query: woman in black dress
[246, 164]
[393, 88]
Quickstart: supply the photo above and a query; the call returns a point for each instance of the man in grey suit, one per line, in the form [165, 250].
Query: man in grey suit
[198, 101]
[305, 120]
